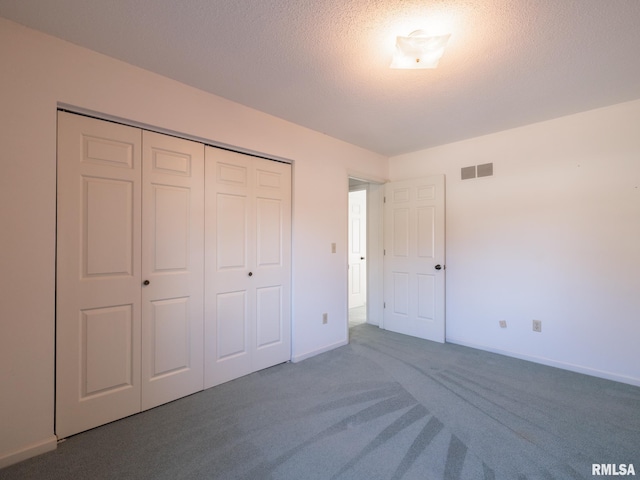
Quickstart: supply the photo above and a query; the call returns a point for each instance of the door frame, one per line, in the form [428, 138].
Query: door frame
[374, 261]
[375, 248]
[104, 117]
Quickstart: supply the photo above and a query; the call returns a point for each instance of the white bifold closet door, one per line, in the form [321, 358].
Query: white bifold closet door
[173, 265]
[248, 264]
[129, 292]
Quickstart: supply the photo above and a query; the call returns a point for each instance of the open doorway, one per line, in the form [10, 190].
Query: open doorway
[357, 252]
[420, 304]
[365, 218]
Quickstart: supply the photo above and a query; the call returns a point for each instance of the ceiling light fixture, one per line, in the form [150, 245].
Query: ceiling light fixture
[419, 50]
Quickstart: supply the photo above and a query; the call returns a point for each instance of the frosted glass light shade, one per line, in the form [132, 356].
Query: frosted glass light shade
[418, 50]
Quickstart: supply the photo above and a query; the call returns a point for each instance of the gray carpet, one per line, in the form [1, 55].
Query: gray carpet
[385, 406]
[357, 316]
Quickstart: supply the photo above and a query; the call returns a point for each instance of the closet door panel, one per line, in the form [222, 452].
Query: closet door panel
[269, 232]
[172, 264]
[106, 334]
[231, 241]
[269, 316]
[272, 279]
[98, 276]
[247, 280]
[171, 228]
[229, 256]
[170, 332]
[107, 227]
[231, 333]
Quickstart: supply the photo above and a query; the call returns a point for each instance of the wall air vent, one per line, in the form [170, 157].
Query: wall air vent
[467, 173]
[485, 170]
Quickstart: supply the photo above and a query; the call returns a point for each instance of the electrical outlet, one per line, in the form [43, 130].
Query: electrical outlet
[325, 318]
[503, 324]
[537, 326]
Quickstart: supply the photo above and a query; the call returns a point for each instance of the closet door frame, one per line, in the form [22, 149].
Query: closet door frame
[84, 391]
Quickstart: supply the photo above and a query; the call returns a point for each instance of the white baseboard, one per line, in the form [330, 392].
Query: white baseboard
[304, 356]
[29, 451]
[551, 363]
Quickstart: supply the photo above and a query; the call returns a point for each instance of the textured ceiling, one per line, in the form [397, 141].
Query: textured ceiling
[324, 63]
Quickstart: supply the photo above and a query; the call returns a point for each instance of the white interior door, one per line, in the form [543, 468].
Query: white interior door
[248, 265]
[414, 275]
[98, 309]
[357, 248]
[172, 268]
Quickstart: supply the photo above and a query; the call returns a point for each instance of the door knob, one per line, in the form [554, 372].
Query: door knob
[146, 282]
[250, 274]
[361, 258]
[438, 267]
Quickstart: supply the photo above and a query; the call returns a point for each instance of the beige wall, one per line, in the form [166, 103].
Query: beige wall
[40, 72]
[553, 235]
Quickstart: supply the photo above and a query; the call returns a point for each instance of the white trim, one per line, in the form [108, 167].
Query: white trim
[365, 177]
[304, 356]
[29, 451]
[551, 363]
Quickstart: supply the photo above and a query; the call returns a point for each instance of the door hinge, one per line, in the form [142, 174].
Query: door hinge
[384, 304]
[384, 252]
[384, 199]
